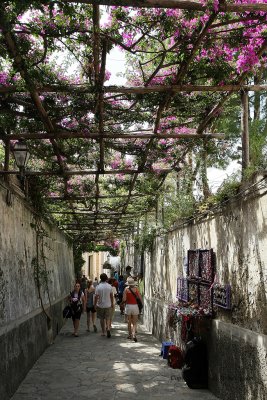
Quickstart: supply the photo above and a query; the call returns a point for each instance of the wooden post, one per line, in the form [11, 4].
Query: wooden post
[7, 156]
[245, 131]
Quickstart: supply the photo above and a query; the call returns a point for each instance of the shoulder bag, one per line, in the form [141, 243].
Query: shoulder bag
[138, 300]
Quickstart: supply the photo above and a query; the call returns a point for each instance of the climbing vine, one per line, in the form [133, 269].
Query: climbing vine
[45, 99]
[40, 272]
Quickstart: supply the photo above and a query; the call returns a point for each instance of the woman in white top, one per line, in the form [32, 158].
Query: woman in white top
[77, 303]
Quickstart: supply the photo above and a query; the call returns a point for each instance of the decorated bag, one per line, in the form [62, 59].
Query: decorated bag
[175, 357]
[67, 312]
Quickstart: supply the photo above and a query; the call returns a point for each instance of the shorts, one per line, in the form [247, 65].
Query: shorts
[91, 309]
[132, 309]
[76, 315]
[104, 313]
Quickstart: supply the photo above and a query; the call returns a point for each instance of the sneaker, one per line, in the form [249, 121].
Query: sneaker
[129, 337]
[95, 328]
[135, 339]
[108, 334]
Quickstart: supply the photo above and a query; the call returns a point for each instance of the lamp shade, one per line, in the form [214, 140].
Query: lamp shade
[21, 154]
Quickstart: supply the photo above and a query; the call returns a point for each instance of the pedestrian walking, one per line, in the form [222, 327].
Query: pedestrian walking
[121, 287]
[95, 282]
[78, 305]
[84, 282]
[128, 271]
[114, 291]
[90, 308]
[130, 295]
[104, 300]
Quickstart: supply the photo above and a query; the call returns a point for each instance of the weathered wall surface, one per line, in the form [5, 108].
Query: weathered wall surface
[25, 330]
[237, 338]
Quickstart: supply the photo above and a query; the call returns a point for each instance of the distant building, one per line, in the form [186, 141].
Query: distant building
[94, 263]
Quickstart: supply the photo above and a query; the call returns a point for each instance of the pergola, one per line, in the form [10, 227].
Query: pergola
[100, 153]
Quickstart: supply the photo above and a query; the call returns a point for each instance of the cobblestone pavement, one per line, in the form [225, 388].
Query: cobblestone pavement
[93, 366]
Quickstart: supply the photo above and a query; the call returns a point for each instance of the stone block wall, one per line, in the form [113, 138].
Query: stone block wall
[237, 338]
[29, 318]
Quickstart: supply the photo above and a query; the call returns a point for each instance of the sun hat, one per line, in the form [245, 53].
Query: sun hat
[130, 281]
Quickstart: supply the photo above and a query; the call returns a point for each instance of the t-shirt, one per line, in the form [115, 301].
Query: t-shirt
[103, 290]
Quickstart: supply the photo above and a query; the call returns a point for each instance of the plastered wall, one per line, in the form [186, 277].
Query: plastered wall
[238, 235]
[25, 329]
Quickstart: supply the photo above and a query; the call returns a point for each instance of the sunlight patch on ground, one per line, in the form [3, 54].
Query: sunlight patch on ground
[120, 365]
[126, 387]
[145, 366]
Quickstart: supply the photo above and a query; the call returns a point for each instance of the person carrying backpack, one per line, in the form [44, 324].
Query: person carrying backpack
[78, 305]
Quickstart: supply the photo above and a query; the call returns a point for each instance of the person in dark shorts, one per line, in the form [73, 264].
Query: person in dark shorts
[77, 303]
[90, 309]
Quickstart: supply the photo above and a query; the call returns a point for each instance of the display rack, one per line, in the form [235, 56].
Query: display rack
[222, 296]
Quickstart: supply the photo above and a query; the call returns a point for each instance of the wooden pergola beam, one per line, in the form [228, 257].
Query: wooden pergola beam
[178, 4]
[65, 198]
[245, 131]
[95, 213]
[95, 136]
[79, 89]
[85, 172]
[94, 226]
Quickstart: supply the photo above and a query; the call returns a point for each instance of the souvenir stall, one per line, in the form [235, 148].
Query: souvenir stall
[198, 296]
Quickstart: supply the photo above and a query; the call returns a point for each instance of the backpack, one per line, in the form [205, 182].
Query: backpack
[195, 369]
[175, 357]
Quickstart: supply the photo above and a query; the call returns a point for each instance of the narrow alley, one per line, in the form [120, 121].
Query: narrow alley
[92, 366]
[133, 144]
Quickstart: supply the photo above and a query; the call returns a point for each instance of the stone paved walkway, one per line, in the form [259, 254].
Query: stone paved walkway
[91, 366]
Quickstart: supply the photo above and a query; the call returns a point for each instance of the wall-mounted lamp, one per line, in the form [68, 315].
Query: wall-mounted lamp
[21, 155]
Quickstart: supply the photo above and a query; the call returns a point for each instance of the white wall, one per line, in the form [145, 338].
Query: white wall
[238, 235]
[29, 320]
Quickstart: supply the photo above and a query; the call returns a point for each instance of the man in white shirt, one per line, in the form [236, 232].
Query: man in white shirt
[104, 301]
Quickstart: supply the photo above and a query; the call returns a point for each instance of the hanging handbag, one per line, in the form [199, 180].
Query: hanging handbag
[67, 312]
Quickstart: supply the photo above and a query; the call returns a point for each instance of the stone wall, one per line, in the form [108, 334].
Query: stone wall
[29, 318]
[237, 338]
